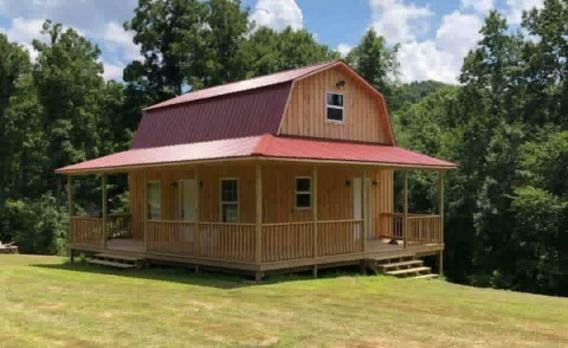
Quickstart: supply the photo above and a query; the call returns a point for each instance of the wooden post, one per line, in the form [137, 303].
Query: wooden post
[70, 213]
[145, 207]
[198, 216]
[315, 210]
[441, 212]
[365, 207]
[258, 234]
[405, 206]
[104, 208]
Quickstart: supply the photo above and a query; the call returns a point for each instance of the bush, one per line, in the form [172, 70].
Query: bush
[37, 226]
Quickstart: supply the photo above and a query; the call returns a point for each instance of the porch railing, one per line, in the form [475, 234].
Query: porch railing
[118, 226]
[421, 228]
[86, 230]
[225, 241]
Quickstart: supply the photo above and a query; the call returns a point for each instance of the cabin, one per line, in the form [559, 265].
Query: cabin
[288, 171]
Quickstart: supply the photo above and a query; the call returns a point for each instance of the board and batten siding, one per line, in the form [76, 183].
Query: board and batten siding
[365, 117]
[335, 193]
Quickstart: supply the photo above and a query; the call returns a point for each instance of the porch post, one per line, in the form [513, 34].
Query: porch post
[315, 210]
[365, 188]
[405, 206]
[70, 212]
[258, 234]
[441, 212]
[145, 207]
[104, 208]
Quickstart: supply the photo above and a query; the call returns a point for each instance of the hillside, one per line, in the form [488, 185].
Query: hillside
[46, 302]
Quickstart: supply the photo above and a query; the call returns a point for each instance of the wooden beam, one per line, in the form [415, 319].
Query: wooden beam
[315, 209]
[104, 207]
[145, 207]
[405, 206]
[258, 234]
[365, 206]
[70, 212]
[441, 212]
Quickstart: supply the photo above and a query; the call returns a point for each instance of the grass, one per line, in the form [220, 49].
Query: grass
[45, 302]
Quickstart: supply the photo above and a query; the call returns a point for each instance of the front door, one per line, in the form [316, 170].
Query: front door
[357, 205]
[188, 199]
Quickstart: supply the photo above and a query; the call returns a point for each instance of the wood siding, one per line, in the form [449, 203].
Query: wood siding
[364, 112]
[335, 193]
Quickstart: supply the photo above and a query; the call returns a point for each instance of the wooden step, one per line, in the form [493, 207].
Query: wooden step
[425, 276]
[109, 263]
[405, 264]
[409, 271]
[118, 257]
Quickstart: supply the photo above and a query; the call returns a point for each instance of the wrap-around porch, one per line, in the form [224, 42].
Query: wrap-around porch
[281, 215]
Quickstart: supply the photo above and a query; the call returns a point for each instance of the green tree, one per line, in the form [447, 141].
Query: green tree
[376, 62]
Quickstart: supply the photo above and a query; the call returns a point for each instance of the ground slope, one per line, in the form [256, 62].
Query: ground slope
[45, 302]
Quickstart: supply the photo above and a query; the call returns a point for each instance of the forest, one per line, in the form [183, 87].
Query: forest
[505, 124]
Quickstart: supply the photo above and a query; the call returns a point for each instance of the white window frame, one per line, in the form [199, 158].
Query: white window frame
[221, 202]
[159, 183]
[342, 108]
[310, 192]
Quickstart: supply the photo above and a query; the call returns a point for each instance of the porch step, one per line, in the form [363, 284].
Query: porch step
[109, 263]
[426, 276]
[410, 272]
[400, 265]
[118, 257]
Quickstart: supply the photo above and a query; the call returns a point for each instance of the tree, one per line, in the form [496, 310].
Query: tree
[376, 62]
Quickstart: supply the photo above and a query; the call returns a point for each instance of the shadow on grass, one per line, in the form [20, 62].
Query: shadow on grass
[183, 275]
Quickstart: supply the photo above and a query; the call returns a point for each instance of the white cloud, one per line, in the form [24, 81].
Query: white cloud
[113, 71]
[118, 38]
[278, 14]
[397, 21]
[481, 6]
[23, 31]
[516, 8]
[343, 49]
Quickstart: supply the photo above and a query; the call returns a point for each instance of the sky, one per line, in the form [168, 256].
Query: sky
[434, 35]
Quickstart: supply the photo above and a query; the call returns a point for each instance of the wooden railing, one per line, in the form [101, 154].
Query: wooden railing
[339, 237]
[421, 229]
[225, 241]
[286, 241]
[424, 229]
[86, 230]
[118, 226]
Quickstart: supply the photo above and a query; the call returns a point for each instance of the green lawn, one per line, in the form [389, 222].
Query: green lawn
[45, 302]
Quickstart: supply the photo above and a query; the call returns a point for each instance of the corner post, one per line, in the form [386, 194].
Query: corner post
[198, 248]
[315, 210]
[366, 224]
[70, 213]
[145, 207]
[405, 206]
[441, 212]
[104, 208]
[258, 231]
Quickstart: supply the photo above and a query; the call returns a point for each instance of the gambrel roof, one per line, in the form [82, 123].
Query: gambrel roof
[244, 108]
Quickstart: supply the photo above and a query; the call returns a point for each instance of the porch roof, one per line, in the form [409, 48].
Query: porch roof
[265, 146]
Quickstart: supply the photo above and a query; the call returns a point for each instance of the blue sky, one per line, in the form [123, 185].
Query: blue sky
[434, 36]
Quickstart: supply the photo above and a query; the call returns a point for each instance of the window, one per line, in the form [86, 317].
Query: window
[303, 192]
[334, 107]
[229, 200]
[154, 200]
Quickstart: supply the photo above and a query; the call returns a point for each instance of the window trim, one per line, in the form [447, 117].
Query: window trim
[148, 183]
[296, 192]
[342, 108]
[221, 202]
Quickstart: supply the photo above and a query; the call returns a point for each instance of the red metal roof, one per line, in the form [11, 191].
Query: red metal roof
[268, 146]
[252, 112]
[245, 85]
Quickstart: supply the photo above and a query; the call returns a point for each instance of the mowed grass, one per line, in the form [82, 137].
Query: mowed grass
[45, 302]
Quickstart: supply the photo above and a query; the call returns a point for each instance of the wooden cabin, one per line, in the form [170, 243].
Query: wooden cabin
[291, 170]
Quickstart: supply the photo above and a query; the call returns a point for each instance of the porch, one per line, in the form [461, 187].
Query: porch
[351, 217]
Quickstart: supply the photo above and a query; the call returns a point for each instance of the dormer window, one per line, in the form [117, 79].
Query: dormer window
[334, 107]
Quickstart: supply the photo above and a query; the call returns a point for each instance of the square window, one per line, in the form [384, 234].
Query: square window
[334, 107]
[303, 200]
